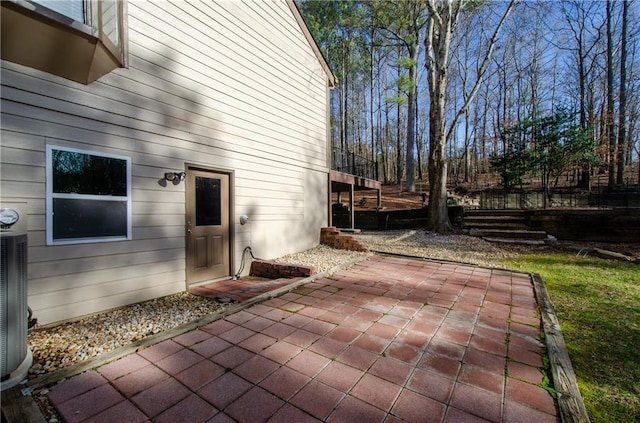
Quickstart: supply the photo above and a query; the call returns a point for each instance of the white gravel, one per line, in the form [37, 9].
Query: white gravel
[322, 258]
[55, 347]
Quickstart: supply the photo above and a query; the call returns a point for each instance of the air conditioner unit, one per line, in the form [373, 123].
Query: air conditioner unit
[15, 359]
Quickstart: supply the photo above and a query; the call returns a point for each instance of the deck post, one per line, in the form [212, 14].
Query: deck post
[352, 209]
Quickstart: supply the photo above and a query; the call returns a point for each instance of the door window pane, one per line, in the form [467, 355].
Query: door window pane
[208, 202]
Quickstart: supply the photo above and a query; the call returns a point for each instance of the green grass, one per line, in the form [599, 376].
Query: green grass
[598, 305]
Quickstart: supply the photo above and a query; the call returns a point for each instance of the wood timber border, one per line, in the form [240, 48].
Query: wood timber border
[570, 402]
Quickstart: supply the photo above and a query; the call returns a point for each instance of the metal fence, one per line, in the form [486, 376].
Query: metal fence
[558, 199]
[353, 164]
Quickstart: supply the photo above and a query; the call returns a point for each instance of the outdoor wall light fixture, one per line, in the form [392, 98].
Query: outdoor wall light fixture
[175, 176]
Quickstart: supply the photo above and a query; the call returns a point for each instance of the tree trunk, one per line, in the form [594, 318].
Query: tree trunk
[419, 145]
[437, 45]
[411, 119]
[371, 111]
[467, 141]
[622, 111]
[440, 28]
[387, 137]
[398, 138]
[611, 137]
[437, 166]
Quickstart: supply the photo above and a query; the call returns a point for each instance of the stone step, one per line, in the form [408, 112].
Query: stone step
[507, 233]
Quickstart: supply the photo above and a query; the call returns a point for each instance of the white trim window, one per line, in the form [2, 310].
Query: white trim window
[88, 196]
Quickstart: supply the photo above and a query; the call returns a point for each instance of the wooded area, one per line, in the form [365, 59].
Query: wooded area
[432, 88]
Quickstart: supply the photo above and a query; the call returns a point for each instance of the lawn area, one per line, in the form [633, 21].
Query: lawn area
[598, 305]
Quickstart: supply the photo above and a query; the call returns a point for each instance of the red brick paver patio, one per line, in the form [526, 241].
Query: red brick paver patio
[390, 339]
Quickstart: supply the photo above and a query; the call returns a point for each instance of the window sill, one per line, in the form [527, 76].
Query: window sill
[71, 241]
[54, 44]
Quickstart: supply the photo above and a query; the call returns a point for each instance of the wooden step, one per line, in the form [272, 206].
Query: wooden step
[494, 225]
[493, 213]
[519, 241]
[493, 219]
[507, 233]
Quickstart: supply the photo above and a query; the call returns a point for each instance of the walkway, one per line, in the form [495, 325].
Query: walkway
[389, 339]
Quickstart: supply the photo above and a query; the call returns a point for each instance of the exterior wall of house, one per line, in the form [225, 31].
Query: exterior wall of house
[232, 86]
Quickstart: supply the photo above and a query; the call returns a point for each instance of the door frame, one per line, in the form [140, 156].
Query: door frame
[231, 174]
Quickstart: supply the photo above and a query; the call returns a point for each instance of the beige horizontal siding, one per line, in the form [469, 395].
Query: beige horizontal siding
[232, 86]
[107, 289]
[22, 173]
[252, 49]
[113, 261]
[96, 278]
[225, 134]
[158, 232]
[155, 149]
[66, 252]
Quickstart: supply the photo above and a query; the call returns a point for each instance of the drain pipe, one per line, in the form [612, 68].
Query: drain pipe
[237, 275]
[31, 321]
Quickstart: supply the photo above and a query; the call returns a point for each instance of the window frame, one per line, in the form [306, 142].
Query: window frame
[50, 196]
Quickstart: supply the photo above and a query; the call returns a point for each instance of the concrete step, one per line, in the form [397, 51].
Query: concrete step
[507, 233]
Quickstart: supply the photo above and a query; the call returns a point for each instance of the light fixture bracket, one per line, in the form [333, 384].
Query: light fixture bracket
[175, 176]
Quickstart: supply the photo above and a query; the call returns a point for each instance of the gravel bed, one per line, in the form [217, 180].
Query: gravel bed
[421, 243]
[322, 258]
[55, 347]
